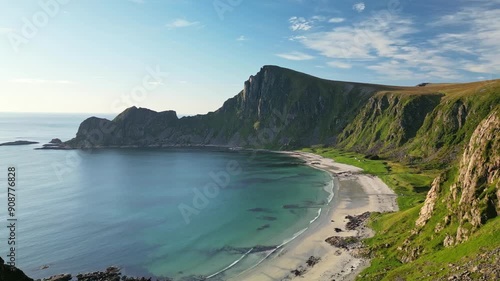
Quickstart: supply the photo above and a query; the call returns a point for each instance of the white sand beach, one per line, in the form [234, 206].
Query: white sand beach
[355, 193]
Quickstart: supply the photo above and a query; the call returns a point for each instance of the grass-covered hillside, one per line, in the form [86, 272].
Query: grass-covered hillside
[447, 227]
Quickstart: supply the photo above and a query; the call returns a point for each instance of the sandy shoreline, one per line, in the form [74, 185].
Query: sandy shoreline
[355, 193]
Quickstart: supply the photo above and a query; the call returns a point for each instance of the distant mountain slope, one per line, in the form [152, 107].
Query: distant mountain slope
[277, 108]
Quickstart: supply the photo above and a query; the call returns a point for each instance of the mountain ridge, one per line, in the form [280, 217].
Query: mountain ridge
[280, 108]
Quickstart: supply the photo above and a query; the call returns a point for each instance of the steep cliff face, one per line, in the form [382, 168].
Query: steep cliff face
[477, 189]
[458, 204]
[388, 121]
[282, 109]
[277, 108]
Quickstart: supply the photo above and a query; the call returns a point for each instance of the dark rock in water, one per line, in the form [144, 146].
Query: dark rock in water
[55, 141]
[264, 227]
[11, 273]
[267, 218]
[55, 144]
[264, 210]
[19, 142]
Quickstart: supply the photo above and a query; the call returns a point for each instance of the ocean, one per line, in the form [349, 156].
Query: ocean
[170, 212]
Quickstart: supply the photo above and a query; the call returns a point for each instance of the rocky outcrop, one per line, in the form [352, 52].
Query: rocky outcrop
[467, 199]
[430, 202]
[10, 273]
[473, 197]
[477, 188]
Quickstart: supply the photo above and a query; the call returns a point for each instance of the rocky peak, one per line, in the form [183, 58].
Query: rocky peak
[478, 186]
[474, 195]
[430, 201]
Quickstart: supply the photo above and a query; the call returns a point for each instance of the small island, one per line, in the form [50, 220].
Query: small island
[19, 142]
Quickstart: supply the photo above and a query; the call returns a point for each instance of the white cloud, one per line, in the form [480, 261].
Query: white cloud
[305, 24]
[297, 56]
[479, 38]
[40, 81]
[382, 42]
[242, 38]
[380, 35]
[180, 23]
[359, 7]
[318, 18]
[297, 38]
[403, 48]
[338, 64]
[336, 20]
[299, 23]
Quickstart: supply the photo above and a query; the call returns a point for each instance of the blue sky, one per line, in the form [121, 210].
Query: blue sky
[101, 56]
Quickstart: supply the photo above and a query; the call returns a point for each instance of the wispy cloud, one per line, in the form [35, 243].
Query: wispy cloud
[477, 41]
[297, 38]
[376, 36]
[359, 7]
[336, 20]
[297, 56]
[444, 47]
[305, 24]
[242, 38]
[40, 81]
[338, 64]
[180, 23]
[299, 23]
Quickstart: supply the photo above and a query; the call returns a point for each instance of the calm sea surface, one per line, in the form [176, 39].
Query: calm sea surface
[153, 212]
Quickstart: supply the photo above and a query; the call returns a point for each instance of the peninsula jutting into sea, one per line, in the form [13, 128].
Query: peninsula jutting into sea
[415, 174]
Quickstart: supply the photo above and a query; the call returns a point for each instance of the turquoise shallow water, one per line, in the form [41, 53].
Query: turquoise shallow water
[153, 212]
